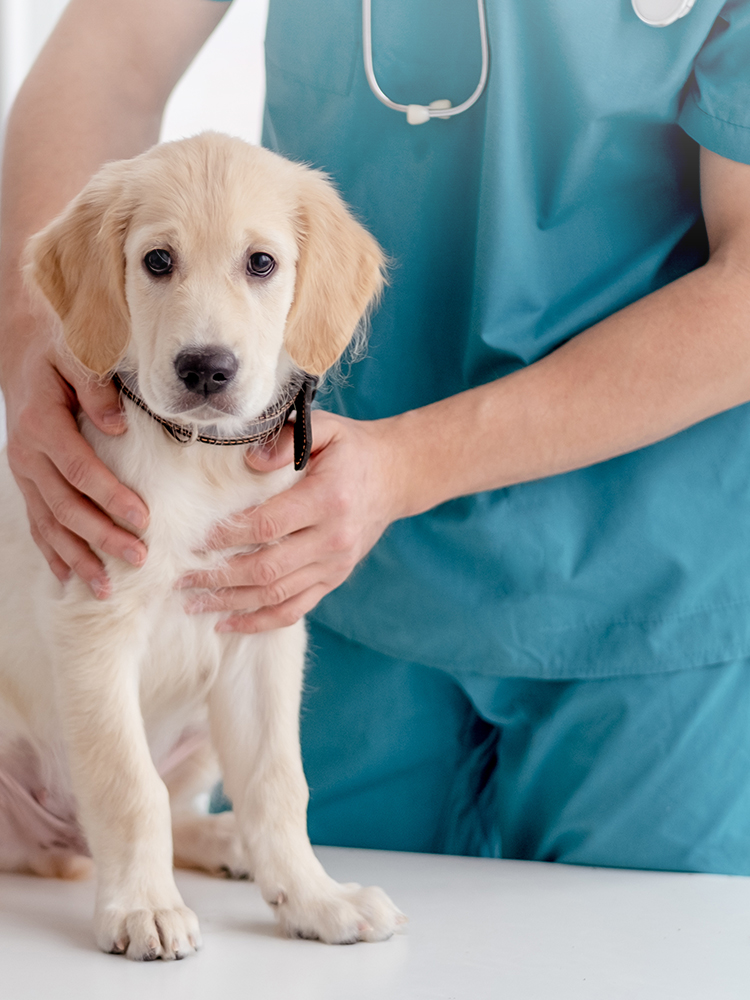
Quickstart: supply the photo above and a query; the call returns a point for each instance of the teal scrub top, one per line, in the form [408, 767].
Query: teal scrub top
[568, 191]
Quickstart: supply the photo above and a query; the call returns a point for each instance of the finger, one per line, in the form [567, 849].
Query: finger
[284, 514]
[75, 513]
[99, 400]
[67, 549]
[61, 570]
[281, 616]
[78, 464]
[278, 454]
[260, 568]
[254, 598]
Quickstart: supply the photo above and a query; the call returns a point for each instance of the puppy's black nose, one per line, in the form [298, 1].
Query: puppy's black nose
[206, 370]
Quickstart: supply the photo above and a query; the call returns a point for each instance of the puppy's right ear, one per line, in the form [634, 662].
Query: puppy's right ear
[78, 263]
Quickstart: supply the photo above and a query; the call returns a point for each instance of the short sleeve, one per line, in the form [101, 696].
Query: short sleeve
[716, 109]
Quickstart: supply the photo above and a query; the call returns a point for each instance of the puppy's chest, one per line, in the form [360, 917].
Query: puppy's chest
[189, 490]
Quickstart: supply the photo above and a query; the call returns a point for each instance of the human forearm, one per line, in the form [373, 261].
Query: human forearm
[96, 93]
[668, 361]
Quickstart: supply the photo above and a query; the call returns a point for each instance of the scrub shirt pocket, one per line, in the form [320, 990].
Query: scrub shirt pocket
[317, 44]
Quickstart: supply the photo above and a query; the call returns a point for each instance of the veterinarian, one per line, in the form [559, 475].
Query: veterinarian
[541, 470]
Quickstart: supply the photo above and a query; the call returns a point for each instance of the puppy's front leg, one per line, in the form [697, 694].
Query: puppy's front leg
[123, 804]
[254, 711]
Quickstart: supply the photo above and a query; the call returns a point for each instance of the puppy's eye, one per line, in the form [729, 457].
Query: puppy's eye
[158, 262]
[260, 264]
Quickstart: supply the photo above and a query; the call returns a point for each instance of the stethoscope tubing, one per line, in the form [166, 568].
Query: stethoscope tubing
[433, 112]
[656, 17]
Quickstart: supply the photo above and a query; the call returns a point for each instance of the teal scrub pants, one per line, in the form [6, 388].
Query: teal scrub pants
[648, 771]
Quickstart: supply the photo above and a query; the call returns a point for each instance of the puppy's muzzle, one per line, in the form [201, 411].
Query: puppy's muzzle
[206, 371]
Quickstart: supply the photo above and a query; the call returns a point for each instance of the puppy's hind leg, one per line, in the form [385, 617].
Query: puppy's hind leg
[254, 712]
[210, 843]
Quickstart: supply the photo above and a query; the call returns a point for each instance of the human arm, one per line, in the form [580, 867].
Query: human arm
[96, 93]
[663, 363]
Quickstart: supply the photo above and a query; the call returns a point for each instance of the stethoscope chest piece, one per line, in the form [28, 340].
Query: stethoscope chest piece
[660, 13]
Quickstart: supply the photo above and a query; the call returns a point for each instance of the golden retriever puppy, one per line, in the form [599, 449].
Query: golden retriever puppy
[214, 278]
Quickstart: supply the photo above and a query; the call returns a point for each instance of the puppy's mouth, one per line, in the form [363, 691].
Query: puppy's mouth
[209, 410]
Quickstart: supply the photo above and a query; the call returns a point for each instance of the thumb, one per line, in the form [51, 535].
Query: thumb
[101, 403]
[325, 427]
[275, 455]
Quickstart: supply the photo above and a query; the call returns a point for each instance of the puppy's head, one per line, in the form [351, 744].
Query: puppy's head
[210, 268]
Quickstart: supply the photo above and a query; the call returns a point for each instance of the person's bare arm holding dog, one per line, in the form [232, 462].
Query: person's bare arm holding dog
[670, 360]
[96, 93]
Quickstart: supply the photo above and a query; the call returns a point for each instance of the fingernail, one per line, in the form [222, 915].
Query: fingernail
[133, 556]
[185, 583]
[136, 517]
[112, 416]
[100, 586]
[226, 626]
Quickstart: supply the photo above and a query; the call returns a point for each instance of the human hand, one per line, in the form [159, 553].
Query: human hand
[311, 536]
[71, 497]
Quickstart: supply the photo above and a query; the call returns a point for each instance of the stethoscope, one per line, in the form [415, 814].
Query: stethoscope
[657, 13]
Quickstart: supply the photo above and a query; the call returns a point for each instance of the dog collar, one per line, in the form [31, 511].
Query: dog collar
[297, 397]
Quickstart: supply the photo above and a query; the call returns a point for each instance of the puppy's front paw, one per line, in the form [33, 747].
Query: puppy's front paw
[339, 914]
[146, 934]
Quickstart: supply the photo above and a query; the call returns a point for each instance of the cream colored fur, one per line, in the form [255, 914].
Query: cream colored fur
[94, 695]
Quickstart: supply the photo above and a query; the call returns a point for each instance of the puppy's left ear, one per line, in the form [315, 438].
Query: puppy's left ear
[78, 263]
[340, 273]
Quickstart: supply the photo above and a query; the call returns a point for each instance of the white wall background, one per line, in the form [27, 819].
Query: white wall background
[223, 88]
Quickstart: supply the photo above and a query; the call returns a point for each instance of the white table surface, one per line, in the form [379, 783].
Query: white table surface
[510, 930]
